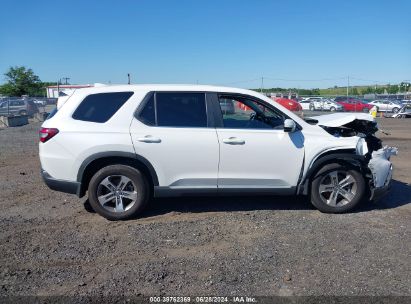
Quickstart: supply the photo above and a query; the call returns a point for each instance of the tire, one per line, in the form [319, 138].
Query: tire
[312, 108]
[332, 109]
[395, 110]
[122, 190]
[365, 110]
[354, 191]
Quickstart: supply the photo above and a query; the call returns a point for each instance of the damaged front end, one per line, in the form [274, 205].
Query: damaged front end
[381, 170]
[377, 165]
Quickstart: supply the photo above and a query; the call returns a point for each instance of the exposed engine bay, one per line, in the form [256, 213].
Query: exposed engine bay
[361, 125]
[361, 128]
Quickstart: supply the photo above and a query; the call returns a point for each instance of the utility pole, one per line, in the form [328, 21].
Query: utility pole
[128, 76]
[66, 79]
[262, 84]
[58, 88]
[348, 85]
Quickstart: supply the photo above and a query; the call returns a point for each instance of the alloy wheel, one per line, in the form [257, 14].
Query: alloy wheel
[116, 193]
[337, 188]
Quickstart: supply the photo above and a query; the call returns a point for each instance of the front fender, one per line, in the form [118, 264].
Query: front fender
[355, 159]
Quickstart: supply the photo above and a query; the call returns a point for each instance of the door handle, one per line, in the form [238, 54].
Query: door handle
[149, 139]
[234, 141]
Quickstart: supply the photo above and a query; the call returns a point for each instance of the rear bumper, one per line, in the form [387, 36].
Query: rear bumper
[60, 185]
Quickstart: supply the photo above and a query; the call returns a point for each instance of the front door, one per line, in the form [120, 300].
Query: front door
[255, 152]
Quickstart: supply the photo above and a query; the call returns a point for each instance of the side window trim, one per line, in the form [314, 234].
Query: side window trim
[214, 110]
[142, 105]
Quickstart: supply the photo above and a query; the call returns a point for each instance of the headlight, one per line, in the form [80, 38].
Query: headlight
[362, 147]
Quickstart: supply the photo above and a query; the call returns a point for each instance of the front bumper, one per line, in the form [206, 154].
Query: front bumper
[60, 185]
[381, 170]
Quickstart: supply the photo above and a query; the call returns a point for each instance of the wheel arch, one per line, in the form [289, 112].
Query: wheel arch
[100, 160]
[343, 157]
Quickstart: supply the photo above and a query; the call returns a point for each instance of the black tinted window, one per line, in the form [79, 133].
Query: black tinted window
[148, 114]
[181, 110]
[101, 107]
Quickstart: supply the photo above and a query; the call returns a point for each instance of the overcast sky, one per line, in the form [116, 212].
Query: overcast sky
[302, 44]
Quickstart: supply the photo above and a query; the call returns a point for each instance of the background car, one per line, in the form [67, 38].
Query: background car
[305, 103]
[40, 102]
[404, 112]
[18, 107]
[351, 104]
[227, 106]
[289, 104]
[325, 105]
[386, 105]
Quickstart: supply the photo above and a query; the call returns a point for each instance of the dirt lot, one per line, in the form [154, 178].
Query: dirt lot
[52, 244]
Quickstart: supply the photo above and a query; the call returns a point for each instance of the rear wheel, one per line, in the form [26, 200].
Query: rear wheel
[118, 192]
[395, 110]
[332, 109]
[337, 188]
[312, 108]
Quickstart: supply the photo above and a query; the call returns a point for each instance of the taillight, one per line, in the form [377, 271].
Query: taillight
[47, 133]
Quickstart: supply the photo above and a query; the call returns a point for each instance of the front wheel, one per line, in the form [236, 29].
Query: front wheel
[332, 109]
[395, 110]
[312, 108]
[118, 192]
[337, 188]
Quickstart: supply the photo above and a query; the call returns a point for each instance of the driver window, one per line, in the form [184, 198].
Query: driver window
[244, 113]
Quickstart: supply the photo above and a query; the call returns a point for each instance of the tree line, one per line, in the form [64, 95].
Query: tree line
[23, 81]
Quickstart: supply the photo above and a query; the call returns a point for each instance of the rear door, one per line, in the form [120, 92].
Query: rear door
[174, 132]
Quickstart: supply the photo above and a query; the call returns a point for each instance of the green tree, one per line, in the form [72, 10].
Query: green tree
[20, 81]
[368, 90]
[355, 92]
[315, 91]
[392, 89]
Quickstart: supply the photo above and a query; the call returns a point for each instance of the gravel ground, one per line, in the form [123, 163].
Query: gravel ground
[53, 244]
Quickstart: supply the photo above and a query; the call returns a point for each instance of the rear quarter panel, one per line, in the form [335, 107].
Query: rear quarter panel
[63, 154]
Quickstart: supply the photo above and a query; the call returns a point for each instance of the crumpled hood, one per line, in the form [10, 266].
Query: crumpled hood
[341, 119]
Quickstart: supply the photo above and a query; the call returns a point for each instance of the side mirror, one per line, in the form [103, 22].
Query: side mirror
[289, 125]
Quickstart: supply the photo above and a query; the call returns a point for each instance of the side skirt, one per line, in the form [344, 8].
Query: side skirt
[178, 192]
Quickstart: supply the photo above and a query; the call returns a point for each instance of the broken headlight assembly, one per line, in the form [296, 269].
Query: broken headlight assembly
[362, 147]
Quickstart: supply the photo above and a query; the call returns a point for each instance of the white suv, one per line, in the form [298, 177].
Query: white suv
[124, 144]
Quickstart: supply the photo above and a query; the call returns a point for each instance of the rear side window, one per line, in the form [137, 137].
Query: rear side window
[175, 109]
[101, 107]
[181, 110]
